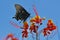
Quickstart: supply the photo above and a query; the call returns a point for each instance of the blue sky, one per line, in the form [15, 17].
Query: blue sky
[46, 8]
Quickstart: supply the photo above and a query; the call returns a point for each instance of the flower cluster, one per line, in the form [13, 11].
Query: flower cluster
[50, 27]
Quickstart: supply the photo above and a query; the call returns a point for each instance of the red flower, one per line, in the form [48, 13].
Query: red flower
[11, 36]
[25, 34]
[33, 28]
[14, 39]
[45, 31]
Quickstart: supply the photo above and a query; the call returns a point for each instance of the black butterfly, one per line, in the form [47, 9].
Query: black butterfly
[21, 13]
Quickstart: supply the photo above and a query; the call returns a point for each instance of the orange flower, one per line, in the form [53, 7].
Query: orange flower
[50, 21]
[32, 20]
[36, 20]
[25, 25]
